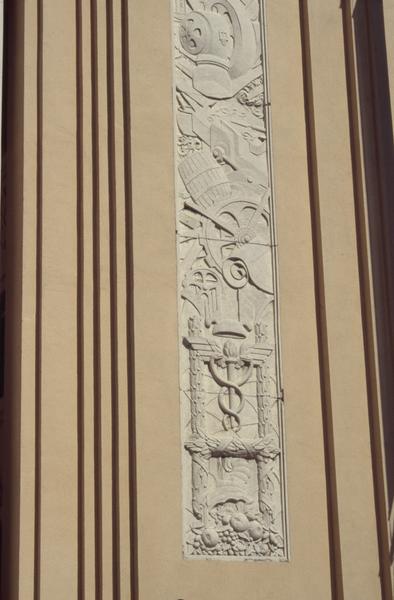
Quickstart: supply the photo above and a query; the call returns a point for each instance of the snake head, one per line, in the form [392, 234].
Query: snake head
[221, 361]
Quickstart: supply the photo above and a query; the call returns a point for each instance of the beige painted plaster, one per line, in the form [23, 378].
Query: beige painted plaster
[86, 388]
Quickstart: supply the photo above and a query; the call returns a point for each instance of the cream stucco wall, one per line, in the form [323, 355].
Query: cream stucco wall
[95, 450]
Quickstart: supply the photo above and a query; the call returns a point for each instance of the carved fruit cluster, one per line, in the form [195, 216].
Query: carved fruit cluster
[236, 534]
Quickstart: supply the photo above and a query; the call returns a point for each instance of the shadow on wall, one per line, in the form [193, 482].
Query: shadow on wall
[378, 149]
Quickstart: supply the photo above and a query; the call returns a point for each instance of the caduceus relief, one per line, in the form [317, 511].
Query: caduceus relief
[234, 360]
[230, 365]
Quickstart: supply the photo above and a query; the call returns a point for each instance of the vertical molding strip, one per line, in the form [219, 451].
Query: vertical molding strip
[96, 305]
[38, 365]
[119, 261]
[366, 295]
[113, 300]
[332, 500]
[21, 342]
[80, 300]
[106, 422]
[80, 305]
[88, 361]
[126, 90]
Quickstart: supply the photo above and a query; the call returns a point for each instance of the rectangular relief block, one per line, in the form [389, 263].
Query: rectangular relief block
[230, 382]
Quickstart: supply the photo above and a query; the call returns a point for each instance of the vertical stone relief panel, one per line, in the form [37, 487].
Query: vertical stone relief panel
[231, 394]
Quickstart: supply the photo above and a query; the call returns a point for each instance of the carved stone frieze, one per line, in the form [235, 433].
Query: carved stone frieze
[231, 393]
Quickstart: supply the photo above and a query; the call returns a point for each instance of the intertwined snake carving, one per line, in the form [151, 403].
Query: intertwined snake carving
[230, 413]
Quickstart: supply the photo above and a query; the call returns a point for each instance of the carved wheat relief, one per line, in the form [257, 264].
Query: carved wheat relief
[231, 397]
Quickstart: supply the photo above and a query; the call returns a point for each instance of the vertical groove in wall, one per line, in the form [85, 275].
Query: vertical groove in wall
[381, 157]
[13, 113]
[113, 301]
[38, 348]
[80, 305]
[378, 154]
[130, 294]
[332, 500]
[366, 300]
[96, 305]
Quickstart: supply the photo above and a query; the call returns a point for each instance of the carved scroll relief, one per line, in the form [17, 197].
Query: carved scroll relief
[233, 464]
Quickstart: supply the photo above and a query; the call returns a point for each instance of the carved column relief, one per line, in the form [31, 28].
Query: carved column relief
[233, 464]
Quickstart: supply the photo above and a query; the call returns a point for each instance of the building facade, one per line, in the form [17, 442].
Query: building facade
[198, 289]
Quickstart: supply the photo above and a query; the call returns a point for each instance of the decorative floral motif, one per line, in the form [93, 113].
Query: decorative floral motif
[187, 144]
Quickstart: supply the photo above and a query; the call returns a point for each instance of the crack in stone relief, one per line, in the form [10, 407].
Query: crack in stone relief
[233, 465]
